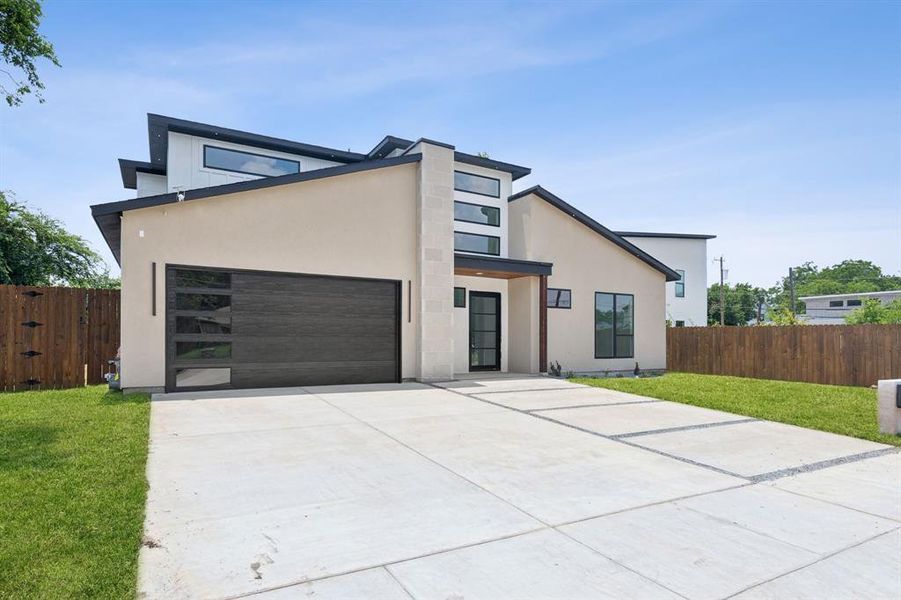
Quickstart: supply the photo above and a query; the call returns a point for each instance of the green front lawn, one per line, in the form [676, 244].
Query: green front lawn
[839, 409]
[72, 490]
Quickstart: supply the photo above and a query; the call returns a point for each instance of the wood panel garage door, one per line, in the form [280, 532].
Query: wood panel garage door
[251, 329]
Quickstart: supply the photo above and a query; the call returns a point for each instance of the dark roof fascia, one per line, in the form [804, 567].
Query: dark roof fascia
[515, 170]
[584, 219]
[129, 170]
[254, 184]
[158, 127]
[510, 265]
[412, 145]
[388, 145]
[654, 234]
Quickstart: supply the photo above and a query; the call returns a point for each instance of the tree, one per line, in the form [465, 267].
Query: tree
[874, 311]
[741, 303]
[37, 250]
[22, 45]
[847, 277]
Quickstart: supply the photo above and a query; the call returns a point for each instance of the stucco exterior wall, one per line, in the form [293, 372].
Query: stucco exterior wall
[585, 263]
[689, 255]
[362, 224]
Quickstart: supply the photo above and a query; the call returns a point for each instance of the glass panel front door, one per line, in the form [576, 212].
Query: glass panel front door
[484, 331]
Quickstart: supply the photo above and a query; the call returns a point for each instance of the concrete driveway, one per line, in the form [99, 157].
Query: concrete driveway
[507, 488]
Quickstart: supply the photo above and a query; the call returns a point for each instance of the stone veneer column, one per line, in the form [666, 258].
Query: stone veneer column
[435, 246]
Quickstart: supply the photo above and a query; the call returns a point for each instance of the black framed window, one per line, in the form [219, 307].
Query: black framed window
[680, 284]
[855, 303]
[479, 244]
[680, 323]
[614, 325]
[559, 298]
[248, 162]
[459, 297]
[477, 213]
[477, 184]
[836, 303]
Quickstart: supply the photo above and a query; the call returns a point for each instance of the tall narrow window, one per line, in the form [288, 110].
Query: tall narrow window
[614, 325]
[680, 284]
[459, 297]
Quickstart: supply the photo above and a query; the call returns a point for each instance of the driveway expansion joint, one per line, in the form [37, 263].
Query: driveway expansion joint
[620, 436]
[823, 464]
[649, 401]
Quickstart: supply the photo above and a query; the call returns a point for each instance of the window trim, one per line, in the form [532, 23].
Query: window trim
[456, 287]
[632, 335]
[480, 206]
[207, 166]
[456, 189]
[557, 305]
[498, 253]
[680, 283]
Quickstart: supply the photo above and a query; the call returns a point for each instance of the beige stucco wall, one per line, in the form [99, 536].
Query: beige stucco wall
[362, 225]
[586, 263]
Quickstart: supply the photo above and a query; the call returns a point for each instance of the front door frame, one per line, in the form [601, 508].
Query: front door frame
[497, 365]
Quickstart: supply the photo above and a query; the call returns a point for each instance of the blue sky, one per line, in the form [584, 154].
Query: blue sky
[776, 126]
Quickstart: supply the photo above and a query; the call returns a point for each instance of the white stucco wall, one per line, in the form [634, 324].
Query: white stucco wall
[461, 319]
[689, 255]
[185, 170]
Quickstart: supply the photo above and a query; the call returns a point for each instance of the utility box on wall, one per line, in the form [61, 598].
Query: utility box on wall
[889, 401]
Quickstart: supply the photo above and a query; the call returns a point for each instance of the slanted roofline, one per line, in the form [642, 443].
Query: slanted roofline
[584, 219]
[852, 295]
[129, 170]
[655, 234]
[107, 216]
[159, 126]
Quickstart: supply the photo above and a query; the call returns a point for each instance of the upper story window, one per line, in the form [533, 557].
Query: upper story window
[477, 184]
[247, 162]
[836, 303]
[680, 284]
[559, 298]
[855, 303]
[476, 213]
[480, 244]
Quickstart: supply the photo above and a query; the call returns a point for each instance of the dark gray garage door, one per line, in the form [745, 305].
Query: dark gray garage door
[248, 329]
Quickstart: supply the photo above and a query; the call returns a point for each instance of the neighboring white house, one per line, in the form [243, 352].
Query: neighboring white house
[686, 253]
[252, 261]
[832, 309]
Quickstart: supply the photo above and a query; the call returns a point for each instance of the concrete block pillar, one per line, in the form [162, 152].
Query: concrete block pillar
[889, 411]
[435, 247]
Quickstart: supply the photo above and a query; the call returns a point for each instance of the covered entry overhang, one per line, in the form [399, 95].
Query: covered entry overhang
[528, 294]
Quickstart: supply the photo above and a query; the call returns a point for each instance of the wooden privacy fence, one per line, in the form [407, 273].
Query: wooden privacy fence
[834, 354]
[49, 334]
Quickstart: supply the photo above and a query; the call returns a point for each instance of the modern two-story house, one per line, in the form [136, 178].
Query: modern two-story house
[686, 253]
[252, 261]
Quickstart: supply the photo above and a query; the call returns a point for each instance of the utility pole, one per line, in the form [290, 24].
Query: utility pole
[791, 287]
[722, 292]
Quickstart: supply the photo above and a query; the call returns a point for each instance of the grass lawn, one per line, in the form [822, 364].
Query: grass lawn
[72, 490]
[839, 409]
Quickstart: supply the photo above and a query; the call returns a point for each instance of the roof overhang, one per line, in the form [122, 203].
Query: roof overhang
[499, 268]
[655, 234]
[159, 126]
[516, 171]
[129, 170]
[584, 219]
[107, 216]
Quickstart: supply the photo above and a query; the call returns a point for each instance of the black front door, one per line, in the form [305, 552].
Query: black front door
[484, 331]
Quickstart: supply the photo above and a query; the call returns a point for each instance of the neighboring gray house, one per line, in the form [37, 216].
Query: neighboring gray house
[833, 308]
